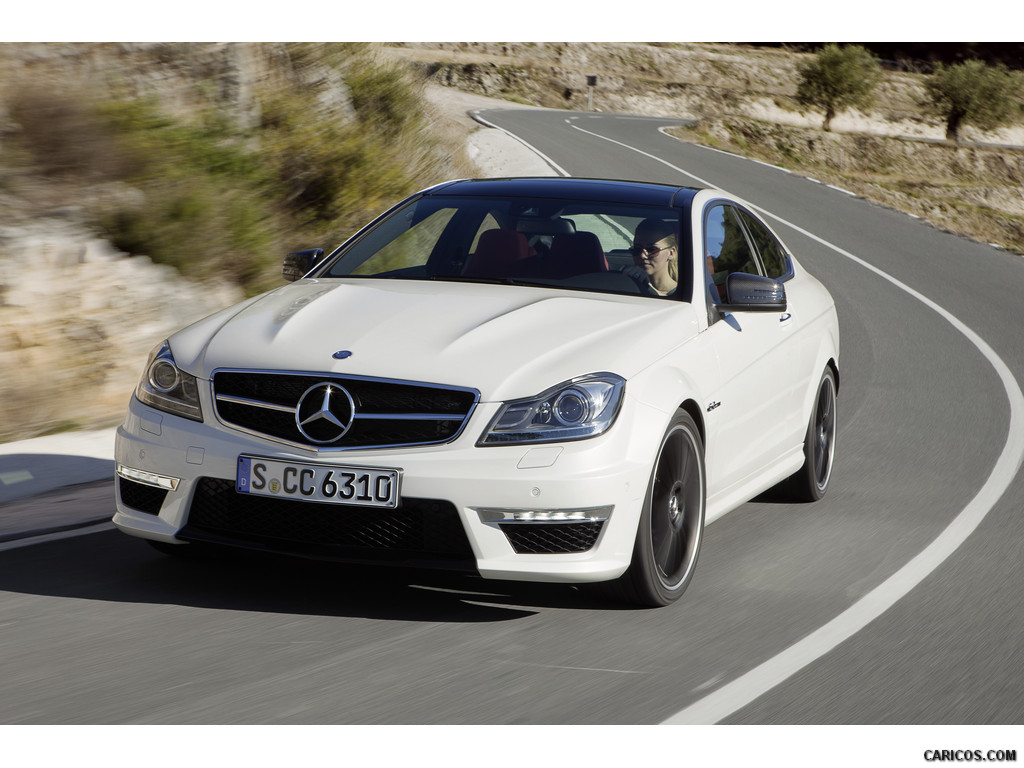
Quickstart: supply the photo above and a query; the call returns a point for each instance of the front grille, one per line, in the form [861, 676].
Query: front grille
[144, 498]
[421, 532]
[552, 538]
[382, 413]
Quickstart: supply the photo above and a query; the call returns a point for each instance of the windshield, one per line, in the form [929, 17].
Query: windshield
[583, 245]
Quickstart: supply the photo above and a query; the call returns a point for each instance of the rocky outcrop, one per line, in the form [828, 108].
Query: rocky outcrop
[77, 320]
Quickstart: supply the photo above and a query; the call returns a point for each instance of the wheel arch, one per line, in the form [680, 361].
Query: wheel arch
[674, 388]
[835, 370]
[691, 407]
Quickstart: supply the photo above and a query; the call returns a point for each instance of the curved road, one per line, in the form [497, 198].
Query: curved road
[895, 600]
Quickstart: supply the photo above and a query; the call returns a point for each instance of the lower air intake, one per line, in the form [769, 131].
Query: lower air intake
[421, 532]
[553, 538]
[141, 497]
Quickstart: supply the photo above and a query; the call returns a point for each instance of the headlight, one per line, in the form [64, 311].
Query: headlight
[574, 410]
[167, 388]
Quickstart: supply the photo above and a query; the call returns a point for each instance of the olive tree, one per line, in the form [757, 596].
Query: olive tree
[972, 92]
[838, 78]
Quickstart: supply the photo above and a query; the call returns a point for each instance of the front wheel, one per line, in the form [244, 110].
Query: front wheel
[671, 522]
[811, 481]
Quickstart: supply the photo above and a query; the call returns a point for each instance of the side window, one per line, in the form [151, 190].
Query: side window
[726, 249]
[772, 255]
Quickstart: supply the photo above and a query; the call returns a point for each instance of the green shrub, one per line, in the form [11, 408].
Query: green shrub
[329, 175]
[64, 133]
[385, 98]
[207, 207]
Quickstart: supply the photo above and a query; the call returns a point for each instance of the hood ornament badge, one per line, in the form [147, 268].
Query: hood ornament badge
[341, 354]
[325, 413]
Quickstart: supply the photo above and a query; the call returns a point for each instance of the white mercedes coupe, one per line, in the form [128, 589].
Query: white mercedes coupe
[545, 379]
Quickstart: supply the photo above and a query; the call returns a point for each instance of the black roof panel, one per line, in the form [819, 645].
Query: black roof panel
[610, 190]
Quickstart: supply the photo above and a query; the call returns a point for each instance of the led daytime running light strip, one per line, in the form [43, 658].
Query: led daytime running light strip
[148, 478]
[527, 516]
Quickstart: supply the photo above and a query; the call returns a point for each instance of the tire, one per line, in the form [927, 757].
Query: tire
[810, 482]
[671, 522]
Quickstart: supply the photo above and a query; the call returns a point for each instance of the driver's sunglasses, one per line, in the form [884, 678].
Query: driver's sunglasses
[651, 248]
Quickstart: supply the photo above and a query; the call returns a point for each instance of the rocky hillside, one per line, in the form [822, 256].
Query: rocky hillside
[143, 186]
[671, 79]
[744, 100]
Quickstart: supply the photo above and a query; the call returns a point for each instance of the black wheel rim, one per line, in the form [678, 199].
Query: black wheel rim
[824, 433]
[677, 514]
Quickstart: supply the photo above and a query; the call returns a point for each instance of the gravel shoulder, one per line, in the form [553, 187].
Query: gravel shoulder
[491, 150]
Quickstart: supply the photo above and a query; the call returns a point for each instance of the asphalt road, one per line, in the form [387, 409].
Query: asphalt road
[895, 600]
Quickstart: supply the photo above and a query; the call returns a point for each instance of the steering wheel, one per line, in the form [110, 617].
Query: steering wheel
[638, 276]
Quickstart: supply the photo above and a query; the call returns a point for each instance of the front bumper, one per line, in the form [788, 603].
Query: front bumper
[511, 502]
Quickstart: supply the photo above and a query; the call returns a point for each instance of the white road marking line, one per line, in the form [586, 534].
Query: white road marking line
[745, 689]
[554, 166]
[664, 130]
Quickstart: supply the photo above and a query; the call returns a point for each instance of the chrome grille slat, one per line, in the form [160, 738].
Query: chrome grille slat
[404, 416]
[387, 413]
[256, 403]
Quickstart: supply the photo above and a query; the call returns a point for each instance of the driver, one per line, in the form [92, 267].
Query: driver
[655, 252]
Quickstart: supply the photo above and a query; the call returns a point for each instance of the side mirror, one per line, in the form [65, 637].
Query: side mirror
[754, 293]
[299, 263]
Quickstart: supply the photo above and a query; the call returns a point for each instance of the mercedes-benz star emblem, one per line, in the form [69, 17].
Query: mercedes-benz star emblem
[325, 413]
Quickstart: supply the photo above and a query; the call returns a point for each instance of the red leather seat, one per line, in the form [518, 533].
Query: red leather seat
[499, 253]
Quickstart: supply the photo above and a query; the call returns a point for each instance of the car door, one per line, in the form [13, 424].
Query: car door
[757, 412]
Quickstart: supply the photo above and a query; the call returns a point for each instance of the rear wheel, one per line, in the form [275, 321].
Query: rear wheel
[811, 481]
[671, 522]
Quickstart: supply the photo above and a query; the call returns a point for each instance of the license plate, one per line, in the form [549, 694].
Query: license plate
[326, 484]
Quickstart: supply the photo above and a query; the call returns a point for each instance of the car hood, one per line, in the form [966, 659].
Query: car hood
[504, 341]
